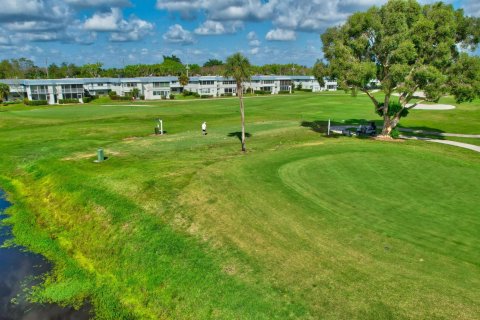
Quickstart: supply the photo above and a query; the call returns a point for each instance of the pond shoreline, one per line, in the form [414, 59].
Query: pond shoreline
[20, 270]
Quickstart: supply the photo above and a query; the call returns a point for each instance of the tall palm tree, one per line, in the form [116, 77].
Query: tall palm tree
[4, 91]
[238, 68]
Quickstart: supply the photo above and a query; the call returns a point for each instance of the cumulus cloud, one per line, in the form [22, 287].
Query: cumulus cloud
[33, 10]
[211, 27]
[176, 34]
[99, 3]
[254, 51]
[281, 35]
[472, 8]
[104, 21]
[221, 10]
[297, 15]
[133, 29]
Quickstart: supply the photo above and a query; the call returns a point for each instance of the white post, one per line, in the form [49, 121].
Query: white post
[328, 131]
[161, 127]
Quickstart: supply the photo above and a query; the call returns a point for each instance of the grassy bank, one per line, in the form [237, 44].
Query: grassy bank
[184, 226]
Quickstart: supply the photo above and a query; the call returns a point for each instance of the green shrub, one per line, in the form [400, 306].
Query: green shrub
[283, 92]
[172, 97]
[119, 98]
[142, 97]
[209, 96]
[89, 99]
[306, 90]
[261, 92]
[395, 134]
[37, 102]
[112, 94]
[64, 101]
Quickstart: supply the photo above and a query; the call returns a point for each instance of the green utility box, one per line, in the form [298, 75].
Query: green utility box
[100, 155]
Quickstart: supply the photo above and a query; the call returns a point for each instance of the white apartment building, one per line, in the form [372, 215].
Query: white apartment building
[152, 88]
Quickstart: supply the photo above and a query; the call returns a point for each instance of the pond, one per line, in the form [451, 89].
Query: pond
[20, 269]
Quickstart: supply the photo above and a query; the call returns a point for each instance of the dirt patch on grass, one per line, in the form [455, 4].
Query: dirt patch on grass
[387, 139]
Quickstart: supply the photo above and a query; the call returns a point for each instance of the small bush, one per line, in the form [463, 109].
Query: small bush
[64, 101]
[89, 99]
[306, 90]
[395, 134]
[112, 94]
[172, 97]
[142, 97]
[35, 102]
[119, 98]
[207, 97]
[283, 92]
[261, 92]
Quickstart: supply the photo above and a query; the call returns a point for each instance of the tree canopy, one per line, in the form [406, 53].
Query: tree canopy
[407, 47]
[4, 91]
[213, 62]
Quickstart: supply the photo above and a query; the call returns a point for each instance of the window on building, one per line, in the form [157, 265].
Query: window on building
[205, 91]
[268, 82]
[161, 84]
[229, 82]
[230, 90]
[207, 82]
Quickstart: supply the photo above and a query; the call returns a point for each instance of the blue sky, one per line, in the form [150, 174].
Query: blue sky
[118, 32]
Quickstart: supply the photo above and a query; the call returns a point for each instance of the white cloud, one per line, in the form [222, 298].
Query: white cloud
[33, 10]
[210, 27]
[104, 21]
[254, 43]
[254, 51]
[176, 34]
[281, 35]
[304, 15]
[99, 3]
[133, 30]
[472, 8]
[122, 30]
[251, 35]
[221, 10]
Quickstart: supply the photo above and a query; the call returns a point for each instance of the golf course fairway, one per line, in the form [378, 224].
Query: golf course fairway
[301, 226]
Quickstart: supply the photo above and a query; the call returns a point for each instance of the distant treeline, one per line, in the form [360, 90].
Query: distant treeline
[24, 68]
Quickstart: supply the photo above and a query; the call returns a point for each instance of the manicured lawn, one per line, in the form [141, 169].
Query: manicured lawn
[185, 226]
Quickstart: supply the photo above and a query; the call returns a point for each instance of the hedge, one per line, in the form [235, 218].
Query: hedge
[36, 102]
[64, 101]
[115, 97]
[283, 92]
[261, 92]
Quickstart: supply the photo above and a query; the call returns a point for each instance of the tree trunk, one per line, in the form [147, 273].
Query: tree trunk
[242, 115]
[387, 126]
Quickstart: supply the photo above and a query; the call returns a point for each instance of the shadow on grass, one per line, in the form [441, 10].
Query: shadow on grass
[239, 135]
[321, 126]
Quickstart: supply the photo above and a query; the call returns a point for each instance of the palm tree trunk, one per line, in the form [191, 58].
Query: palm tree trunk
[242, 115]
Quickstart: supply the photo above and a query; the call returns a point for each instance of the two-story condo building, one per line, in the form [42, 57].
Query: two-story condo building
[53, 90]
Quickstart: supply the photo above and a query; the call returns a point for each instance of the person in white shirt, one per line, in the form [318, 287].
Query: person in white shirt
[204, 128]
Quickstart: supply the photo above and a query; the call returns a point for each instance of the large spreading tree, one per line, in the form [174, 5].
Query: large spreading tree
[407, 47]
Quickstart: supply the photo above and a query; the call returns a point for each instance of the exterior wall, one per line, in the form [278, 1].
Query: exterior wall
[153, 88]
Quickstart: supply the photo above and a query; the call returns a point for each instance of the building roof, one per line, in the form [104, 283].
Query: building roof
[28, 82]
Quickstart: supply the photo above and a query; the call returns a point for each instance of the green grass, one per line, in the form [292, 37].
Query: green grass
[184, 226]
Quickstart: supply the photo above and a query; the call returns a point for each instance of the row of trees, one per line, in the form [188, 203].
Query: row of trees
[26, 69]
